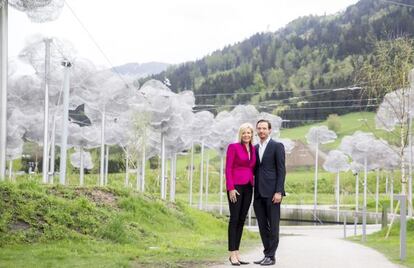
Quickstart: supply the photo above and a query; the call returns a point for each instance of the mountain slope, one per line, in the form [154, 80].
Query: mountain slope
[285, 72]
[142, 70]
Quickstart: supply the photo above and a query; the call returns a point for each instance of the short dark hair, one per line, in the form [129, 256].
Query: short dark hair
[264, 121]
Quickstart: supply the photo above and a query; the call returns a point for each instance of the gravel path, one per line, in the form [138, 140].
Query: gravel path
[319, 247]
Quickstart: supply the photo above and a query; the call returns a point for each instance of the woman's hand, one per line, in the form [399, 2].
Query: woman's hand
[233, 195]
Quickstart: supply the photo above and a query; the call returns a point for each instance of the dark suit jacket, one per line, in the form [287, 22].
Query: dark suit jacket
[269, 174]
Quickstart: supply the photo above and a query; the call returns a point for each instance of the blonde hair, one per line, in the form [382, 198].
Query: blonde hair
[243, 128]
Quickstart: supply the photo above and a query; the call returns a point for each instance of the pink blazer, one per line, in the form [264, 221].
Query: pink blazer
[239, 169]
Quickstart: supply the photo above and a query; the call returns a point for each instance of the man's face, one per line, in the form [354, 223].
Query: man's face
[263, 130]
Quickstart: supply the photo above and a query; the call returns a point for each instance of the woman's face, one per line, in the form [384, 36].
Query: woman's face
[247, 135]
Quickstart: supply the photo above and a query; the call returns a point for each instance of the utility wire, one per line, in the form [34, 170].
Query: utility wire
[96, 43]
[273, 103]
[304, 108]
[398, 3]
[276, 92]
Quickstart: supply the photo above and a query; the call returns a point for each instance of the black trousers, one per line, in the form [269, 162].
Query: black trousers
[268, 218]
[238, 213]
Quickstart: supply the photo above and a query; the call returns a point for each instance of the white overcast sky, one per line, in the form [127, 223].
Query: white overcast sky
[171, 31]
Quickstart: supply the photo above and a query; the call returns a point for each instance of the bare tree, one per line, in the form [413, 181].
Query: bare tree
[386, 73]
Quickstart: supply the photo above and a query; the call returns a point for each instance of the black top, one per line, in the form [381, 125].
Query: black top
[270, 173]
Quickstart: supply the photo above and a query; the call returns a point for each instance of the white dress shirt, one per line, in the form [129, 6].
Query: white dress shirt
[262, 147]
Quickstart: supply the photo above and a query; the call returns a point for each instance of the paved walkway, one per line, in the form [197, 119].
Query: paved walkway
[319, 247]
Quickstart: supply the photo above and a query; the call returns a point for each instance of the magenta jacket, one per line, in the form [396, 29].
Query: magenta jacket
[239, 169]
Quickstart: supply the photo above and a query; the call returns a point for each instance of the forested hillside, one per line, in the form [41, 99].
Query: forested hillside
[298, 71]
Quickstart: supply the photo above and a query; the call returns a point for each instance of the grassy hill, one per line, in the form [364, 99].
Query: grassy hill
[54, 226]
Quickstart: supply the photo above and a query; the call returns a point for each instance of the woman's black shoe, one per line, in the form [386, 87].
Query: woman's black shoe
[243, 262]
[234, 263]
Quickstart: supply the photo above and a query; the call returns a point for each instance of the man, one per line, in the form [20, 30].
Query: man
[269, 189]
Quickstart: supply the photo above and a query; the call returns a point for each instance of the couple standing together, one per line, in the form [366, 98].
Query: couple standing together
[261, 166]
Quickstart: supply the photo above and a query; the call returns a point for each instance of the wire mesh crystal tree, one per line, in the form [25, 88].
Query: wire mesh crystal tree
[315, 136]
[363, 148]
[387, 71]
[37, 11]
[336, 162]
[47, 56]
[105, 96]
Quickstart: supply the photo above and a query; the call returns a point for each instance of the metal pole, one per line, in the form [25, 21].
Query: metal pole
[172, 179]
[364, 208]
[127, 167]
[81, 168]
[386, 183]
[337, 196]
[102, 167]
[45, 168]
[52, 151]
[200, 201]
[392, 193]
[221, 183]
[143, 169]
[175, 174]
[207, 166]
[191, 174]
[3, 87]
[162, 166]
[410, 172]
[344, 225]
[138, 178]
[106, 163]
[403, 225]
[376, 197]
[10, 169]
[65, 123]
[356, 203]
[315, 196]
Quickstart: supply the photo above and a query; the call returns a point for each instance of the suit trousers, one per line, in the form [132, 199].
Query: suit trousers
[238, 213]
[268, 218]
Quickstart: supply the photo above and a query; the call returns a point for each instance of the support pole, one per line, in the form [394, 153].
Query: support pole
[82, 167]
[143, 169]
[190, 196]
[315, 196]
[200, 201]
[163, 193]
[65, 123]
[45, 168]
[3, 86]
[221, 183]
[364, 208]
[102, 165]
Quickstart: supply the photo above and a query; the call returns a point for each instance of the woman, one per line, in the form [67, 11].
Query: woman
[240, 161]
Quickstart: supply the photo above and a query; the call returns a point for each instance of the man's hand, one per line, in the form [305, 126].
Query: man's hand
[277, 198]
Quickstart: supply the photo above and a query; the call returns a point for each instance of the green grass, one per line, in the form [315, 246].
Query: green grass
[55, 226]
[363, 121]
[391, 247]
[299, 186]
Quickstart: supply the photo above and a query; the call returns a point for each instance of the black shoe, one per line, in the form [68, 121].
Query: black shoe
[259, 262]
[234, 263]
[243, 262]
[268, 261]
